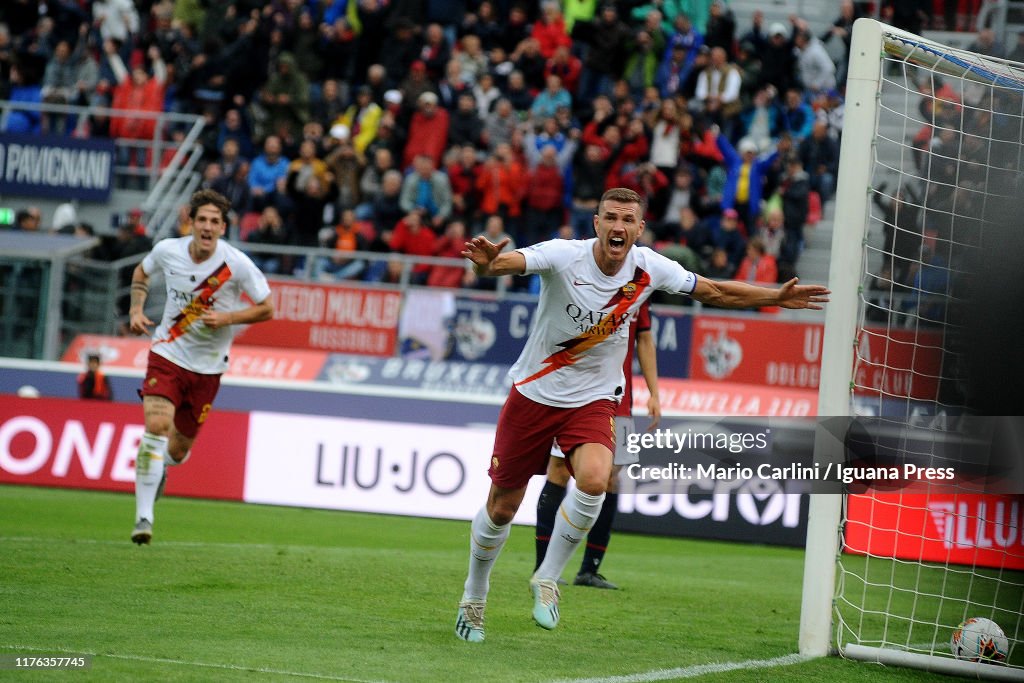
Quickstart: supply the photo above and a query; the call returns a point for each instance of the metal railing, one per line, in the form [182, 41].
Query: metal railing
[167, 182]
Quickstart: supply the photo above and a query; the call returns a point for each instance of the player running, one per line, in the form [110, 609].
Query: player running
[205, 279]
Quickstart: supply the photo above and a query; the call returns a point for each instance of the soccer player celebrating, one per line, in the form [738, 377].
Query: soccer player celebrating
[568, 381]
[205, 279]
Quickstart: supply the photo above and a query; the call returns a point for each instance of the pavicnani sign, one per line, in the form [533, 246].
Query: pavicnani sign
[57, 167]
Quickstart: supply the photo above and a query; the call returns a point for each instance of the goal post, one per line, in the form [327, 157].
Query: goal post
[844, 279]
[932, 148]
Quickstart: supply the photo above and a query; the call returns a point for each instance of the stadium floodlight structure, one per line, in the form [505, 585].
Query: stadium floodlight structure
[932, 143]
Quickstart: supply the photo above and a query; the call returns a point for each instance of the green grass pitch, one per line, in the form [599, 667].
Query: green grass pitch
[233, 592]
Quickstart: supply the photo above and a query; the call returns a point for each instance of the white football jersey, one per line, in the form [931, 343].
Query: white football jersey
[575, 352]
[194, 288]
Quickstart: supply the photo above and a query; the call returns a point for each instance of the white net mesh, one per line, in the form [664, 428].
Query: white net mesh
[917, 561]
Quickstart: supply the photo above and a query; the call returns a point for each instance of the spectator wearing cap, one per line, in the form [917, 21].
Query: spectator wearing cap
[745, 174]
[428, 131]
[815, 68]
[608, 37]
[416, 83]
[778, 63]
[729, 238]
[673, 71]
[362, 119]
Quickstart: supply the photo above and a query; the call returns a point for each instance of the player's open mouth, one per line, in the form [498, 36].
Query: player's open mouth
[616, 242]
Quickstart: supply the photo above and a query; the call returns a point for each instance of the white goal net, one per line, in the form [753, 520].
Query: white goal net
[934, 163]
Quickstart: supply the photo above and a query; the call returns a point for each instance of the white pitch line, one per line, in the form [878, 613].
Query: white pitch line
[693, 671]
[183, 662]
[173, 544]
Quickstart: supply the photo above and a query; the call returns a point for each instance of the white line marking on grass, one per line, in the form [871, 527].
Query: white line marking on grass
[693, 671]
[173, 544]
[182, 662]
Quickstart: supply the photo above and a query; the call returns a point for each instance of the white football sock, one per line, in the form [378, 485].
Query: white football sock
[149, 469]
[575, 517]
[485, 543]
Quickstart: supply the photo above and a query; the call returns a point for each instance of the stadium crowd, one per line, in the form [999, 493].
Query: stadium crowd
[404, 126]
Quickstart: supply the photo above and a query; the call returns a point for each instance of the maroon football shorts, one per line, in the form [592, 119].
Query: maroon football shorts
[526, 430]
[191, 393]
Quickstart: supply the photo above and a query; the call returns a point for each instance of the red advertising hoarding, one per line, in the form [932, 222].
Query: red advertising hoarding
[245, 361]
[692, 397]
[896, 362]
[971, 529]
[92, 445]
[333, 318]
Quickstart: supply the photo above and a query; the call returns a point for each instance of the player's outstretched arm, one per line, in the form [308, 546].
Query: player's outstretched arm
[488, 259]
[735, 294]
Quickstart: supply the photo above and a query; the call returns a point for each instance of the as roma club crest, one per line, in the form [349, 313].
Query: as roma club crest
[629, 290]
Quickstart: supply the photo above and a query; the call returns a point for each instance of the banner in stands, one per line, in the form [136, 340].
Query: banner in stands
[244, 361]
[775, 353]
[453, 377]
[372, 466]
[971, 529]
[92, 445]
[61, 168]
[333, 318]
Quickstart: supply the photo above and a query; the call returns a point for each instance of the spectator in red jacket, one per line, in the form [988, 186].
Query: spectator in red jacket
[413, 238]
[545, 190]
[450, 245]
[428, 131]
[501, 182]
[567, 67]
[549, 29]
[759, 266]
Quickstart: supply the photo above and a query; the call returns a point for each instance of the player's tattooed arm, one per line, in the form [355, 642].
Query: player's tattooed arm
[137, 319]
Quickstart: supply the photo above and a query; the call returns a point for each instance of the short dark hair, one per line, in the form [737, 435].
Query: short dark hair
[625, 196]
[204, 197]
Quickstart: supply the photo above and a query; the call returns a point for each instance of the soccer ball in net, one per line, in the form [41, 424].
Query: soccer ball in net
[979, 640]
